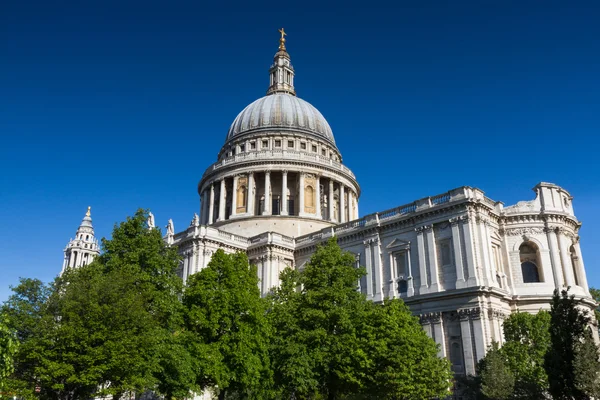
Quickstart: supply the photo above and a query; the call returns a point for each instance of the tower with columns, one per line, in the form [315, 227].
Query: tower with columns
[84, 247]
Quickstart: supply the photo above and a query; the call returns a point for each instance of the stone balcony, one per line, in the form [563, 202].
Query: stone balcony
[279, 155]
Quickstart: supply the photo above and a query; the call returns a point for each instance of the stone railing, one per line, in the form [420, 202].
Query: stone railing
[279, 155]
[272, 238]
[212, 233]
[377, 218]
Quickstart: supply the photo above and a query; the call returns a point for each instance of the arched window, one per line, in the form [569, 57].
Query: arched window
[574, 263]
[530, 263]
[87, 237]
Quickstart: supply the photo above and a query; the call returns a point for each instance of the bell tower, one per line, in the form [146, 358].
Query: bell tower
[281, 72]
[84, 248]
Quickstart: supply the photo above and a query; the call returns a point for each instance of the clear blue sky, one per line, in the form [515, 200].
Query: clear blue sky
[123, 104]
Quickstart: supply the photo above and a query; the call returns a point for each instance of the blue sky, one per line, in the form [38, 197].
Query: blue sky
[121, 105]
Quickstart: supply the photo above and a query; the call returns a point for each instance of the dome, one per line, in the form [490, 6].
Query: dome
[281, 112]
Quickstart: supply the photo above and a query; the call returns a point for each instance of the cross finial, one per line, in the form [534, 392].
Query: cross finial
[282, 39]
[88, 213]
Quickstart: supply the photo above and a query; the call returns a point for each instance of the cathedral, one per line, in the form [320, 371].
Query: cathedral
[461, 261]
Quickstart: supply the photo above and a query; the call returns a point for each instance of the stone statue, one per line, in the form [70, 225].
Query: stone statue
[195, 220]
[150, 221]
[170, 228]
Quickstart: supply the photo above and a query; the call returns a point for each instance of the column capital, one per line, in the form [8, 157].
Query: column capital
[284, 171]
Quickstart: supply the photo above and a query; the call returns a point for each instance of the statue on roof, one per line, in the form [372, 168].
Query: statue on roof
[150, 221]
[170, 228]
[195, 220]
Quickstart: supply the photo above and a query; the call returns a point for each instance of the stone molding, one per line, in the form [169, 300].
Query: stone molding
[522, 231]
[430, 318]
[469, 313]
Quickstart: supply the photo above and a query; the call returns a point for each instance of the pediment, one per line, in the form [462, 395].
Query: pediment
[398, 244]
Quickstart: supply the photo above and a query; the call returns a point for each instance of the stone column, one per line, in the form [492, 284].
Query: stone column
[438, 332]
[330, 204]
[460, 273]
[369, 267]
[409, 280]
[318, 194]
[284, 198]
[479, 336]
[467, 344]
[472, 279]
[378, 295]
[422, 263]
[267, 210]
[186, 266]
[485, 251]
[555, 257]
[202, 207]
[251, 194]
[565, 258]
[393, 291]
[211, 205]
[301, 194]
[236, 178]
[580, 267]
[432, 259]
[222, 201]
[342, 203]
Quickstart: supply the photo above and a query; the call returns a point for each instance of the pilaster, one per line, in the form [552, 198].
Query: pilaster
[211, 205]
[555, 257]
[267, 209]
[284, 190]
[432, 259]
[330, 204]
[422, 261]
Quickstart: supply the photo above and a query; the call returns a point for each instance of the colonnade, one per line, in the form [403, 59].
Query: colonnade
[278, 192]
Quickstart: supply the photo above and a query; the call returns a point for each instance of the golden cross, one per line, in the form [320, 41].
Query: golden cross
[88, 213]
[282, 33]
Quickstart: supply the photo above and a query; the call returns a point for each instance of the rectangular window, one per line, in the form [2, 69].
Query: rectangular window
[291, 144]
[277, 143]
[252, 145]
[401, 267]
[314, 148]
[323, 152]
[242, 148]
[303, 146]
[265, 144]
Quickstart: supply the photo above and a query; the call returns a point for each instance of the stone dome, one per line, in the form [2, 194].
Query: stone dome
[281, 112]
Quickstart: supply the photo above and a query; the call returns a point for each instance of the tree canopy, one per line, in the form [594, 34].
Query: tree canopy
[106, 328]
[229, 332]
[330, 342]
[549, 354]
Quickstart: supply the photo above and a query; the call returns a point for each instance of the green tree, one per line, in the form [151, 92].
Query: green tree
[403, 361]
[567, 370]
[330, 342]
[227, 327]
[587, 366]
[107, 328]
[527, 341]
[142, 313]
[8, 348]
[497, 380]
[25, 310]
